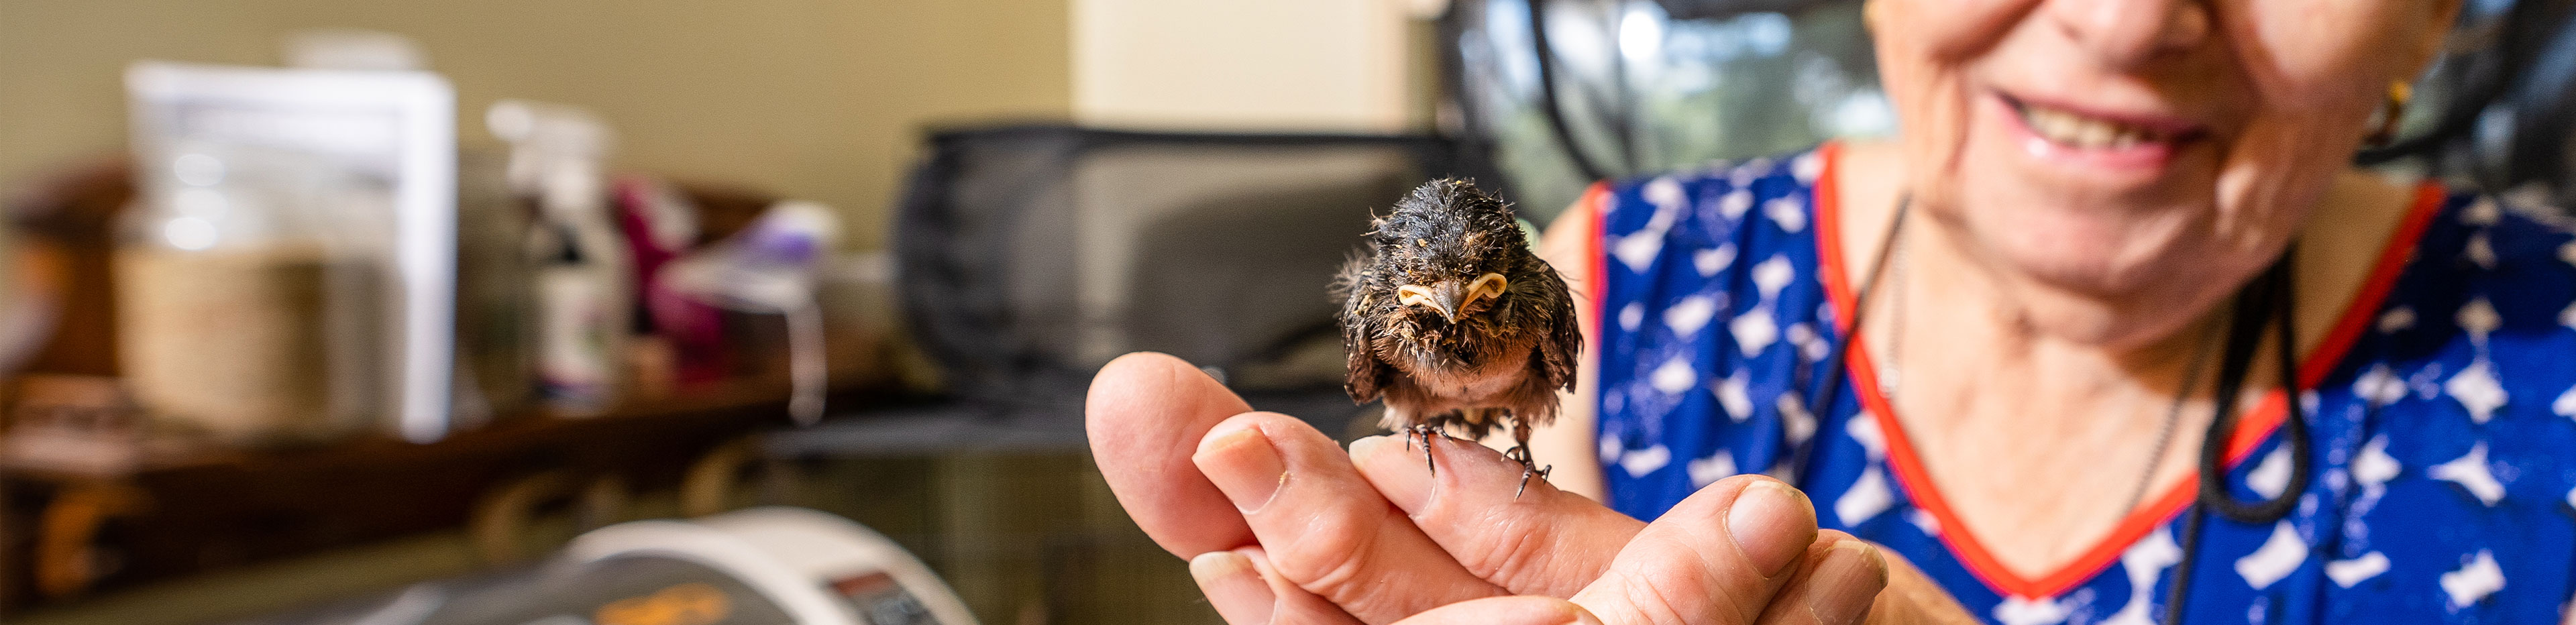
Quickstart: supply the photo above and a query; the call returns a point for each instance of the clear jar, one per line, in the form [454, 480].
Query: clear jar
[247, 311]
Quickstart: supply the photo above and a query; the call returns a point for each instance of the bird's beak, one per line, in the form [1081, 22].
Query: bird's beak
[1449, 296]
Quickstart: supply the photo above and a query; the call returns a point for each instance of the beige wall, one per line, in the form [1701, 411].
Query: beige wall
[1249, 64]
[814, 98]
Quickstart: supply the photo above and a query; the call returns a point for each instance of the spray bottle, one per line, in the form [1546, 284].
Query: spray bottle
[583, 281]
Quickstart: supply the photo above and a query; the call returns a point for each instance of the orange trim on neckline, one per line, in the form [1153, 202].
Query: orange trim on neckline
[2258, 424]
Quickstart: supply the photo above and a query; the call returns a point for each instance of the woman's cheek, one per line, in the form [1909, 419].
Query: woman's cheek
[2321, 70]
[2273, 173]
[2312, 54]
[1923, 49]
[1953, 29]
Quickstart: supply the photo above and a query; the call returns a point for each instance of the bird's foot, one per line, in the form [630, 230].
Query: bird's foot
[1526, 472]
[1425, 431]
[1529, 467]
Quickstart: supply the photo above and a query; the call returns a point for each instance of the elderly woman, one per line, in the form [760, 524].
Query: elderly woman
[2112, 333]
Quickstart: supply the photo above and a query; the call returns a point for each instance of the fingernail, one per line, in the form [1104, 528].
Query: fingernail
[1845, 583]
[1765, 516]
[1409, 489]
[1243, 464]
[1583, 616]
[1366, 447]
[1232, 586]
[1533, 611]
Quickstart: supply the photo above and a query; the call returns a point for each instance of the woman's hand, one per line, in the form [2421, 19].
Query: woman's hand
[1282, 526]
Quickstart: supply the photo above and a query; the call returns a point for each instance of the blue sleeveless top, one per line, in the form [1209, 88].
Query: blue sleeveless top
[2441, 408]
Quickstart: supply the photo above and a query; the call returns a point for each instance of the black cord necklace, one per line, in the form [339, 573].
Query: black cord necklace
[2265, 300]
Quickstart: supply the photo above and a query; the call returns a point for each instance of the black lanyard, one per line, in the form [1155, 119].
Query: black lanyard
[2268, 299]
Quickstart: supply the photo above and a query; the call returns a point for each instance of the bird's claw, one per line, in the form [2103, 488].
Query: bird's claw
[1526, 472]
[1426, 432]
[1521, 454]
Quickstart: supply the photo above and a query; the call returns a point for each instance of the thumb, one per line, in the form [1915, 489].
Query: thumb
[1718, 557]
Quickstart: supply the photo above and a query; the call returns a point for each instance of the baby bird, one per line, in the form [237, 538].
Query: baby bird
[1450, 318]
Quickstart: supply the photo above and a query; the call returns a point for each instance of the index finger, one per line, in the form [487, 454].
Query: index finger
[1145, 415]
[1508, 528]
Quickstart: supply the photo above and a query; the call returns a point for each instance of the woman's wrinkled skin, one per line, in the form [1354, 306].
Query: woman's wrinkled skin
[2077, 273]
[2088, 277]
[2279, 92]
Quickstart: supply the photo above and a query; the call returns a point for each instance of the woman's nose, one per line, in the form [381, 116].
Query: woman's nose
[2126, 33]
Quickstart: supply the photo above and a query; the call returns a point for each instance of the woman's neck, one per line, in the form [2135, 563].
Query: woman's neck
[2035, 428]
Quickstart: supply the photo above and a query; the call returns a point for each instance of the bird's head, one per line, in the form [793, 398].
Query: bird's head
[1448, 250]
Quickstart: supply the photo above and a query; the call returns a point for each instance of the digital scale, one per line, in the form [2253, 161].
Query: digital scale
[761, 566]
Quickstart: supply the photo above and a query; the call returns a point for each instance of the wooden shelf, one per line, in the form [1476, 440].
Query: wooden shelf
[68, 534]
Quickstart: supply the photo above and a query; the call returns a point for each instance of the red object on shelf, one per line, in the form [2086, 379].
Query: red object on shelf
[660, 225]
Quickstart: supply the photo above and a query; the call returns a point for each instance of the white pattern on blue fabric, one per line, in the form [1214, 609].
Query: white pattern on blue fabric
[2272, 475]
[2279, 556]
[2477, 391]
[2397, 318]
[1638, 251]
[1709, 470]
[2471, 473]
[2375, 467]
[2474, 580]
[1806, 166]
[2345, 573]
[1811, 346]
[1754, 330]
[1866, 498]
[2479, 318]
[1735, 203]
[1687, 316]
[2144, 562]
[1863, 428]
[1666, 193]
[2480, 250]
[2423, 445]
[1734, 394]
[1789, 213]
[2480, 213]
[1644, 461]
[2379, 385]
[2031, 611]
[1713, 260]
[1674, 376]
[1796, 424]
[1772, 275]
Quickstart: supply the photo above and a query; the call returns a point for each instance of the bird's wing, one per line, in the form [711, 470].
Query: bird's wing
[1367, 375]
[1563, 344]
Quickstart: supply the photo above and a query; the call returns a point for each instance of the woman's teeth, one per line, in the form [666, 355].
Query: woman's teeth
[2078, 131]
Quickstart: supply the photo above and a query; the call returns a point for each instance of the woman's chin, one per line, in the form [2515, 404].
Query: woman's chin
[2095, 260]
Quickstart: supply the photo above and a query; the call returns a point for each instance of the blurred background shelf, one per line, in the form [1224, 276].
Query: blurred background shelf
[1025, 530]
[190, 512]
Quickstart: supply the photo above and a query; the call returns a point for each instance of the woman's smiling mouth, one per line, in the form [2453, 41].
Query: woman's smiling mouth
[2111, 141]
